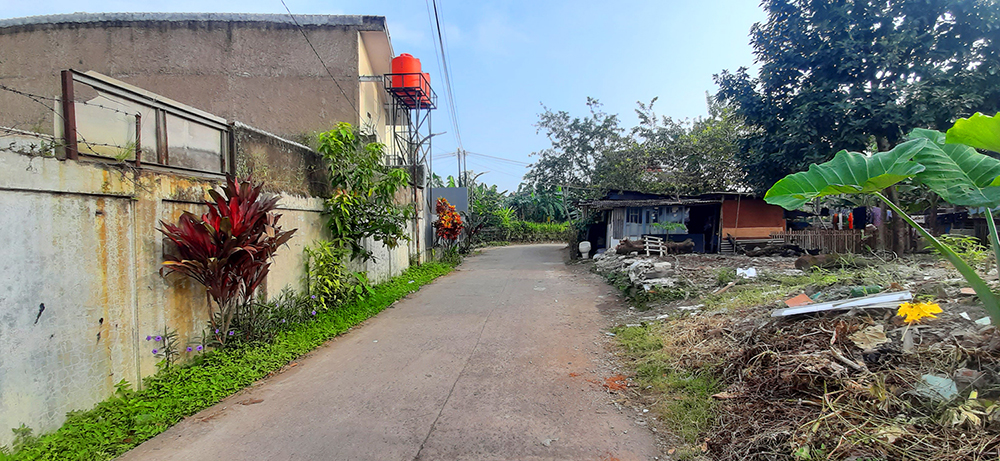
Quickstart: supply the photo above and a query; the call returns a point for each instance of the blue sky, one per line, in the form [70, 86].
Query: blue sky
[508, 58]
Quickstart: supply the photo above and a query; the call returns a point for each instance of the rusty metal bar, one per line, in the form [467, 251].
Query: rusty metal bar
[69, 116]
[161, 138]
[138, 140]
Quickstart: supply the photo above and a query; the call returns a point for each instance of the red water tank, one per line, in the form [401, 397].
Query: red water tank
[425, 85]
[406, 64]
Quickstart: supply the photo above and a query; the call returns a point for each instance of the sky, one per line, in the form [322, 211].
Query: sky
[508, 59]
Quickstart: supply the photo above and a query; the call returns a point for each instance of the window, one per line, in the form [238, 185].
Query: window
[172, 134]
[652, 216]
[634, 215]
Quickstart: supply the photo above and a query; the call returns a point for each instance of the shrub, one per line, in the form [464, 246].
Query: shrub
[526, 231]
[228, 249]
[363, 204]
[329, 281]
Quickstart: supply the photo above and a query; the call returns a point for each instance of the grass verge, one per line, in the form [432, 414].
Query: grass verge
[681, 398]
[130, 417]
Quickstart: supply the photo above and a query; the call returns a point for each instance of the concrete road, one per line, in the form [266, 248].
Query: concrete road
[496, 361]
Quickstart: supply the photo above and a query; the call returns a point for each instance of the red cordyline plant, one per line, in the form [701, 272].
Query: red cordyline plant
[449, 223]
[228, 249]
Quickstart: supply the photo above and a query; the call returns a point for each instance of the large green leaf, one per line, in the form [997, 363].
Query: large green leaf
[956, 172]
[848, 173]
[979, 131]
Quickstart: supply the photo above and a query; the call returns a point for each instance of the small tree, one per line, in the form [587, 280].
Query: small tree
[449, 223]
[228, 249]
[364, 199]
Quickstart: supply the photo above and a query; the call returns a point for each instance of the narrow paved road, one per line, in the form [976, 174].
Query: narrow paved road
[496, 361]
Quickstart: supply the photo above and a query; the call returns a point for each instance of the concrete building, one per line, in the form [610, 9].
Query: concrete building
[255, 68]
[79, 287]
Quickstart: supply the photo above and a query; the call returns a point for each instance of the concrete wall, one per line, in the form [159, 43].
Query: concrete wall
[81, 239]
[260, 72]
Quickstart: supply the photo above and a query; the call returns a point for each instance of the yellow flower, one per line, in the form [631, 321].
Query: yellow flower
[913, 312]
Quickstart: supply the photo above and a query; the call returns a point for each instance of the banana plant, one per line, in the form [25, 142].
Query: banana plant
[948, 164]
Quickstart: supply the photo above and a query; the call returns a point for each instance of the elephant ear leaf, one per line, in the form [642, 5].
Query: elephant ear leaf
[979, 131]
[956, 172]
[848, 173]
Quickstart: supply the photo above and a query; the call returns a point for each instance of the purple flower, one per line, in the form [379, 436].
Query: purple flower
[230, 332]
[156, 351]
[148, 338]
[159, 338]
[282, 320]
[189, 348]
[216, 331]
[314, 312]
[200, 347]
[313, 296]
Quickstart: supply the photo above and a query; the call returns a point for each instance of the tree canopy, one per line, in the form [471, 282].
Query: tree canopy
[594, 153]
[858, 75]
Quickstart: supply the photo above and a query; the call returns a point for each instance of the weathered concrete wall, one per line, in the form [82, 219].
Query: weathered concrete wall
[259, 70]
[284, 166]
[81, 239]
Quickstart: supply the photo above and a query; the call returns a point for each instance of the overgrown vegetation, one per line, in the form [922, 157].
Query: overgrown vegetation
[945, 164]
[132, 416]
[858, 75]
[363, 204]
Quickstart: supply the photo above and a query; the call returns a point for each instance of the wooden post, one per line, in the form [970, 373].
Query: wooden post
[69, 116]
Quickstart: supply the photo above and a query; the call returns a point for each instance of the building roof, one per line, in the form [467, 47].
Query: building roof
[359, 22]
[598, 205]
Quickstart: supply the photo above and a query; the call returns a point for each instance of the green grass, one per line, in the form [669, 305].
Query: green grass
[769, 288]
[130, 417]
[683, 397]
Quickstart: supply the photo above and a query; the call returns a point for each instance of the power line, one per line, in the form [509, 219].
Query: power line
[446, 72]
[516, 162]
[346, 97]
[435, 19]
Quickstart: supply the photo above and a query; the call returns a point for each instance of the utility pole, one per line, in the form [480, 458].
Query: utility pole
[460, 154]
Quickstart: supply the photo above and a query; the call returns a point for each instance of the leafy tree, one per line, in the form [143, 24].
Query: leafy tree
[680, 156]
[660, 155]
[858, 75]
[363, 204]
[537, 205]
[578, 144]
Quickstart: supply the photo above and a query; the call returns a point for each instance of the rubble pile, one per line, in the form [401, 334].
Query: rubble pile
[645, 272]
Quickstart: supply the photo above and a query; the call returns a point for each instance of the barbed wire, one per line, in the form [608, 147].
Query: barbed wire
[37, 98]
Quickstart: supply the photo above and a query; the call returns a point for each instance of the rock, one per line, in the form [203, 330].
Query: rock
[965, 377]
[934, 289]
[660, 270]
[659, 282]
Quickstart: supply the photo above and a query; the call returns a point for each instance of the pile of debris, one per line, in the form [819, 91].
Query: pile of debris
[641, 272]
[860, 384]
[816, 364]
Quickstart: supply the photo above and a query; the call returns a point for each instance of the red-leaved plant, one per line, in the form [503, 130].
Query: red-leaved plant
[449, 223]
[228, 249]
